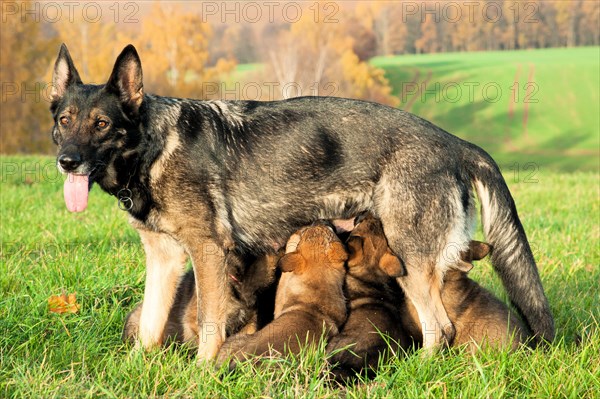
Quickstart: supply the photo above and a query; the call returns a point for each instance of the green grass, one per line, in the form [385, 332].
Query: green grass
[46, 250]
[563, 126]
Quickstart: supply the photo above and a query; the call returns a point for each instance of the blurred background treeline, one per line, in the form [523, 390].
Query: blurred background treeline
[445, 61]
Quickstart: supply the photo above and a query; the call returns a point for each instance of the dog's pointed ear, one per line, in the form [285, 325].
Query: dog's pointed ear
[355, 250]
[391, 265]
[64, 75]
[477, 251]
[126, 79]
[290, 262]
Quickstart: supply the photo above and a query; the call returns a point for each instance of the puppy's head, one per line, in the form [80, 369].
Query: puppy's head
[368, 248]
[314, 246]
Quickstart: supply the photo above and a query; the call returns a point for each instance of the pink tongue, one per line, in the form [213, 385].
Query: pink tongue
[76, 192]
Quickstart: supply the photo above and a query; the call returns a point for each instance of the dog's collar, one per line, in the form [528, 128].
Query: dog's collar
[125, 195]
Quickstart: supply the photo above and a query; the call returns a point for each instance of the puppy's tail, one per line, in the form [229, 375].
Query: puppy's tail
[512, 257]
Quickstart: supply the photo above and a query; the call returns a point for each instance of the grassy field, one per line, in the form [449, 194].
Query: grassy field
[46, 250]
[538, 106]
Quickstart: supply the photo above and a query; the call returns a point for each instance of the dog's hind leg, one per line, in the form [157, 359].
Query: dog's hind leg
[423, 216]
[422, 285]
[165, 262]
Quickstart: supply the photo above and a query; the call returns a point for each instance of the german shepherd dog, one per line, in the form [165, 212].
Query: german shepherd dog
[310, 301]
[252, 286]
[213, 179]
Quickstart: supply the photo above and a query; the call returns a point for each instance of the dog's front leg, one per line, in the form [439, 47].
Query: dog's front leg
[165, 262]
[213, 296]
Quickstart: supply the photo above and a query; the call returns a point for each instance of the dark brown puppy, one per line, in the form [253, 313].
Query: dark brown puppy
[479, 317]
[374, 303]
[310, 300]
[250, 286]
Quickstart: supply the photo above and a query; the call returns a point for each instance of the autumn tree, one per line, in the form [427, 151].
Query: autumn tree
[25, 56]
[176, 44]
[429, 41]
[314, 57]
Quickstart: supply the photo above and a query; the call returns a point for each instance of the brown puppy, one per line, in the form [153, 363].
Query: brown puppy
[250, 285]
[479, 317]
[374, 302]
[310, 301]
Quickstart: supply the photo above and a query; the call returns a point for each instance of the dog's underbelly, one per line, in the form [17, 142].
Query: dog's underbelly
[267, 224]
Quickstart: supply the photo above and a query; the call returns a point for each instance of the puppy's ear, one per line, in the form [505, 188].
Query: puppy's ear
[391, 265]
[65, 74]
[479, 250]
[464, 266]
[126, 79]
[355, 250]
[290, 262]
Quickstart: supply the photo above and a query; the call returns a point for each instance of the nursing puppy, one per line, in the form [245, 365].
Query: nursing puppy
[251, 286]
[310, 300]
[374, 326]
[479, 317]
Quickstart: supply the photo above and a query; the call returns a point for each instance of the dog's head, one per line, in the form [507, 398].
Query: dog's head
[314, 247]
[368, 249]
[94, 125]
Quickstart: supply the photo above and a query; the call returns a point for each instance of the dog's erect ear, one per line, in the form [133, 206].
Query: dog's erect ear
[355, 250]
[65, 74]
[479, 250]
[290, 262]
[126, 79]
[391, 265]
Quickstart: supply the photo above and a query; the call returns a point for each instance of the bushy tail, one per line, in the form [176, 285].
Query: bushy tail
[511, 257]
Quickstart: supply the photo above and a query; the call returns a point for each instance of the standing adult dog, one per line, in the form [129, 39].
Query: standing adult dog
[197, 179]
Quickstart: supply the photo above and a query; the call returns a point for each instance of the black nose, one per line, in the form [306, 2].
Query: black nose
[69, 162]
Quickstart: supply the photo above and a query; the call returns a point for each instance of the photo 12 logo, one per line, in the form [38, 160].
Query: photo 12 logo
[471, 11]
[269, 11]
[70, 11]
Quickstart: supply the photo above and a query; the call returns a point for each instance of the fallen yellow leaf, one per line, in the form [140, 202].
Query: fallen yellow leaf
[63, 303]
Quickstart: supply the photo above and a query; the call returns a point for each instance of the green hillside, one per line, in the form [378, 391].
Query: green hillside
[536, 106]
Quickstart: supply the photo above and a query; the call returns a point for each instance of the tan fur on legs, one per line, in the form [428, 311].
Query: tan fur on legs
[182, 324]
[165, 260]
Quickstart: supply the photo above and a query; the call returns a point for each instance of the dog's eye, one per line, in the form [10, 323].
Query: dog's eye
[64, 120]
[101, 124]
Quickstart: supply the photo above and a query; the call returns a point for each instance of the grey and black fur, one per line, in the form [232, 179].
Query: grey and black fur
[209, 178]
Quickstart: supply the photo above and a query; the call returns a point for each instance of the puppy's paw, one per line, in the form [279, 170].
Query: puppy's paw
[132, 325]
[232, 349]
